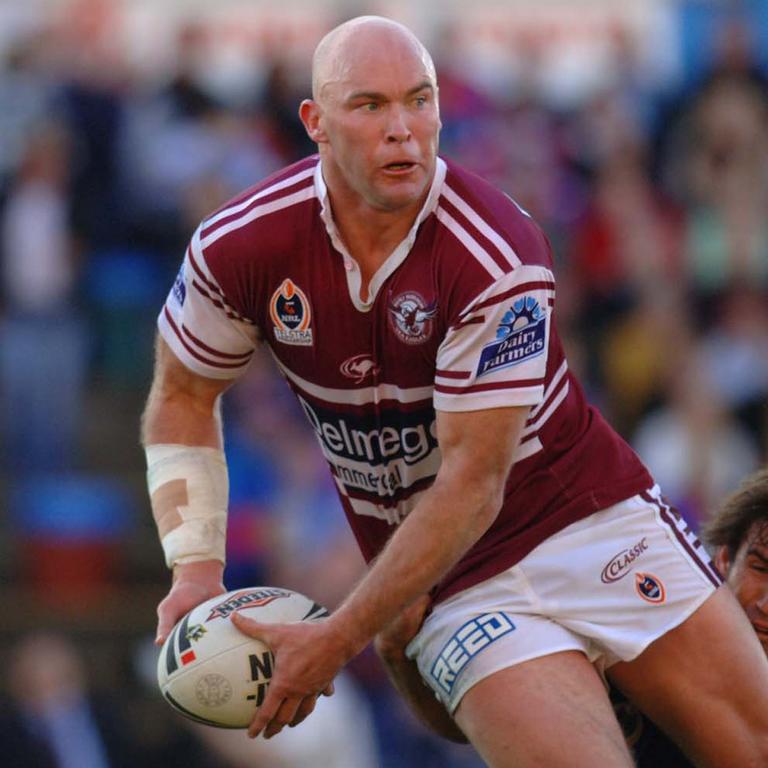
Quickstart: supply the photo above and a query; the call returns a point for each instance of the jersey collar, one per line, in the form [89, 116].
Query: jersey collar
[396, 258]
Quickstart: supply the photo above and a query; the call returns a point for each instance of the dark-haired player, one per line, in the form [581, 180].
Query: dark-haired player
[411, 308]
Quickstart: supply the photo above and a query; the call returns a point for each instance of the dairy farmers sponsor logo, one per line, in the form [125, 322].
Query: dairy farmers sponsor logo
[621, 564]
[291, 315]
[411, 318]
[248, 598]
[521, 336]
[359, 368]
[650, 588]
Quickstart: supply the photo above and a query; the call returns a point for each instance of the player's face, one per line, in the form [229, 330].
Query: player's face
[381, 120]
[747, 576]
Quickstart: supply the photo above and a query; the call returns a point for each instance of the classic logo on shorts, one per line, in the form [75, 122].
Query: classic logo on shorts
[360, 367]
[245, 599]
[620, 565]
[521, 336]
[467, 642]
[650, 588]
[290, 312]
[411, 318]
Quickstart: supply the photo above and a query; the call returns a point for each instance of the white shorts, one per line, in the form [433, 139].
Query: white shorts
[607, 585]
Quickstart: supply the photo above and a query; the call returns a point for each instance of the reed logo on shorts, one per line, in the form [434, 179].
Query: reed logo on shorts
[291, 315]
[621, 564]
[521, 336]
[467, 642]
[650, 588]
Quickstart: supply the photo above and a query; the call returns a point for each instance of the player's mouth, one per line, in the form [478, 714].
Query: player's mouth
[761, 629]
[399, 168]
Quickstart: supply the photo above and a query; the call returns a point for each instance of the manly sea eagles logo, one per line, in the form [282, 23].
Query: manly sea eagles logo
[291, 314]
[521, 336]
[411, 317]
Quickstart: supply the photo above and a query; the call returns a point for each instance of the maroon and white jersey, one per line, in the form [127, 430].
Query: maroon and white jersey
[459, 318]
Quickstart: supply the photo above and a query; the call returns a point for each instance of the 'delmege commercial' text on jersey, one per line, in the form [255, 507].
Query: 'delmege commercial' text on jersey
[459, 318]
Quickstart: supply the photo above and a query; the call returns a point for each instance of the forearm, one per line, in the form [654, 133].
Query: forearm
[173, 417]
[186, 468]
[448, 520]
[406, 678]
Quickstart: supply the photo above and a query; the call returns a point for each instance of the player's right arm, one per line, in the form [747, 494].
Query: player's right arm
[181, 433]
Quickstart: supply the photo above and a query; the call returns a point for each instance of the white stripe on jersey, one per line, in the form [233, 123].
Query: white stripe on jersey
[232, 210]
[392, 515]
[361, 396]
[482, 226]
[544, 417]
[259, 211]
[469, 242]
[197, 262]
[527, 449]
[556, 379]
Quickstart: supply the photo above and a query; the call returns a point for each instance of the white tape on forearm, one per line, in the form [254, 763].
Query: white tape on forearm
[200, 533]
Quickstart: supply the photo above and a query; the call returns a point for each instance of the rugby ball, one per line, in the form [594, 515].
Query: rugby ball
[211, 672]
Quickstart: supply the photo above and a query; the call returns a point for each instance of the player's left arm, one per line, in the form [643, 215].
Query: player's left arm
[477, 453]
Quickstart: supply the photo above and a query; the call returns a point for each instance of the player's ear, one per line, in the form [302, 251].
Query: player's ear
[311, 116]
[723, 561]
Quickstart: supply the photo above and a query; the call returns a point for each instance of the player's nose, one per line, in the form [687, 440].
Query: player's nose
[397, 125]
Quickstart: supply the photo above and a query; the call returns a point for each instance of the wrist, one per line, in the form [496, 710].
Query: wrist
[348, 642]
[199, 571]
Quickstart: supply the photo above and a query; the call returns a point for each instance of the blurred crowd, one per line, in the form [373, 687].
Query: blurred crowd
[654, 200]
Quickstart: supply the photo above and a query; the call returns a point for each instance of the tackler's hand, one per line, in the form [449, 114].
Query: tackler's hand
[392, 641]
[308, 655]
[193, 583]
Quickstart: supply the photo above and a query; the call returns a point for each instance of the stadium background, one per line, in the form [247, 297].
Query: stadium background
[636, 133]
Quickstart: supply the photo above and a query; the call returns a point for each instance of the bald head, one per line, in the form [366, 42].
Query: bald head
[346, 45]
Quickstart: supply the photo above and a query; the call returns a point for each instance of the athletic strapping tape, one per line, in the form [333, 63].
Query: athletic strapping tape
[189, 489]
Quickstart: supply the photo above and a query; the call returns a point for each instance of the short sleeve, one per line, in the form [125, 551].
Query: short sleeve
[201, 326]
[494, 355]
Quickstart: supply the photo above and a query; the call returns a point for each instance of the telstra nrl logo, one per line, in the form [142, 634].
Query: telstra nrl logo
[291, 314]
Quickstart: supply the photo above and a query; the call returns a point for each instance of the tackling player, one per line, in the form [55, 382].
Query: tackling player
[738, 534]
[411, 308]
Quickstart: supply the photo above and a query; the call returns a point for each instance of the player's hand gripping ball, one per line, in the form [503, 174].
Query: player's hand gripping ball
[214, 674]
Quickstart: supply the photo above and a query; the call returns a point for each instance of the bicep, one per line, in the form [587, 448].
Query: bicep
[182, 404]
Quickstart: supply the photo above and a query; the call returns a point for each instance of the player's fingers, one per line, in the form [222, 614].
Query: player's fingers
[266, 712]
[329, 690]
[285, 716]
[264, 632]
[305, 709]
[165, 622]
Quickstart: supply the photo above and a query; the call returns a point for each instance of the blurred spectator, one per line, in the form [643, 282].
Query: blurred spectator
[52, 720]
[43, 343]
[26, 100]
[735, 357]
[695, 449]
